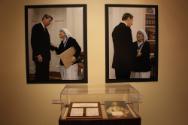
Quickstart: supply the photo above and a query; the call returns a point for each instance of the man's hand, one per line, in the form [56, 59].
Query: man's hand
[39, 58]
[73, 59]
[139, 54]
[53, 47]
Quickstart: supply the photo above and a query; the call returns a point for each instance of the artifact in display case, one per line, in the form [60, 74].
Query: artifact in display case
[119, 109]
[84, 110]
[108, 104]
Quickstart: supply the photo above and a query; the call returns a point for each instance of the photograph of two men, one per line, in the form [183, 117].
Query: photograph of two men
[56, 43]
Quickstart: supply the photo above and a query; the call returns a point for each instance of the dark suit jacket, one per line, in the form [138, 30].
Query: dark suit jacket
[122, 40]
[70, 43]
[40, 42]
[142, 63]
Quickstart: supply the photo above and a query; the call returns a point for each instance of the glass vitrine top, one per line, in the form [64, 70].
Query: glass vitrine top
[106, 89]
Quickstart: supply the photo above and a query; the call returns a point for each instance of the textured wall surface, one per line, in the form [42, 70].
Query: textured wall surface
[164, 103]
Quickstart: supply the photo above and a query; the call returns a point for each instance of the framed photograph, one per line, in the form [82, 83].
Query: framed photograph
[56, 43]
[131, 41]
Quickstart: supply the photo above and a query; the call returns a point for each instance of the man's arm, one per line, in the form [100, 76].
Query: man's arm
[35, 43]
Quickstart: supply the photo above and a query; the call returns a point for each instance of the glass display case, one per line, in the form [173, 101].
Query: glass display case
[83, 104]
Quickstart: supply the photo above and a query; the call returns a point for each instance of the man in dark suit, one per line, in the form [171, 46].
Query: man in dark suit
[40, 42]
[123, 55]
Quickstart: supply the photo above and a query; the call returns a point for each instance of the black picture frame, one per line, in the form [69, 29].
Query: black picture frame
[110, 78]
[30, 76]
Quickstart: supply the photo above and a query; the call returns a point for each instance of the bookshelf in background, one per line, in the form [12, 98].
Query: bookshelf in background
[150, 28]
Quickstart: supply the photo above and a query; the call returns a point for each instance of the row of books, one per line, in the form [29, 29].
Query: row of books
[150, 27]
[151, 33]
[150, 20]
